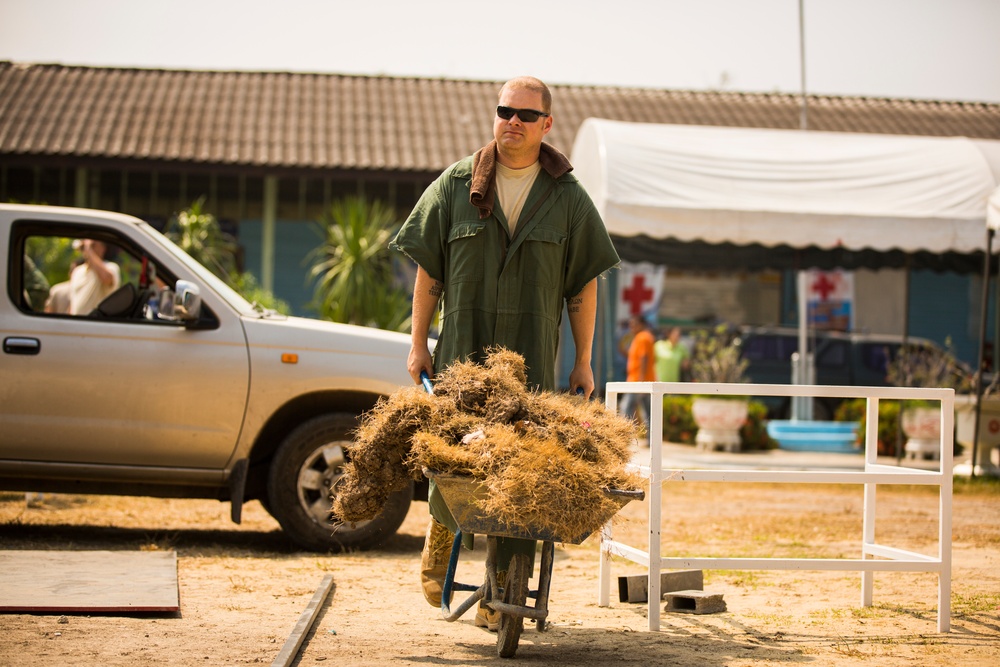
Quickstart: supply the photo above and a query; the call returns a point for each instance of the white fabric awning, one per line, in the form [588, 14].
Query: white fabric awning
[784, 187]
[993, 211]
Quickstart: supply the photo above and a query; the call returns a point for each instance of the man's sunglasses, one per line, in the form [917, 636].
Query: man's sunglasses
[526, 115]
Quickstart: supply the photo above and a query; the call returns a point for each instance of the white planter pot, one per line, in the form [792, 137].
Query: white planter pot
[989, 434]
[719, 421]
[922, 426]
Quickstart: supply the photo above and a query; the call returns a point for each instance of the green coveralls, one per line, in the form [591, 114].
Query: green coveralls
[502, 291]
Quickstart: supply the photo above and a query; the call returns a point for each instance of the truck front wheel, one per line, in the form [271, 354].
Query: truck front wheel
[304, 470]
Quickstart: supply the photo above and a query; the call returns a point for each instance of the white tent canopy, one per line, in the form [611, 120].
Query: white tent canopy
[993, 212]
[793, 188]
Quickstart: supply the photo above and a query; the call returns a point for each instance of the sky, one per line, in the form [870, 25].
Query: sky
[916, 49]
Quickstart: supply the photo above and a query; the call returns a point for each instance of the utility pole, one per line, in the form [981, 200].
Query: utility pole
[804, 113]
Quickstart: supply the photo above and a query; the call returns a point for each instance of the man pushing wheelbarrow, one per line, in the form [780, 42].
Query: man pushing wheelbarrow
[503, 241]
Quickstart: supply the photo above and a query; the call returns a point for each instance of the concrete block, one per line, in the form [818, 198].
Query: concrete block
[694, 602]
[636, 587]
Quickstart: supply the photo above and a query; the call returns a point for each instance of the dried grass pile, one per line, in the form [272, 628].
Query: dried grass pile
[544, 457]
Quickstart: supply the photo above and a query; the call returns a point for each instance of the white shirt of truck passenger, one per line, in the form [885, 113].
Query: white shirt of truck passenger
[93, 280]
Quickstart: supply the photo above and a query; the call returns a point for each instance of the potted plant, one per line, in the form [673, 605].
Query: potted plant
[716, 359]
[926, 366]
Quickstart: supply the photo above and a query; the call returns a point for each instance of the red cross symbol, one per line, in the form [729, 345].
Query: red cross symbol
[824, 286]
[637, 294]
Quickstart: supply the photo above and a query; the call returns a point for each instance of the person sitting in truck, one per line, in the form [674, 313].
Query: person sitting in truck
[93, 280]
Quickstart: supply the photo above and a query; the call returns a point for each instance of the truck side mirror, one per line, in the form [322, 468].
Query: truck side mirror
[181, 304]
[187, 301]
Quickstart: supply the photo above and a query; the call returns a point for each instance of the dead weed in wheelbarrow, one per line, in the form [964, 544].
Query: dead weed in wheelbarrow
[378, 458]
[545, 457]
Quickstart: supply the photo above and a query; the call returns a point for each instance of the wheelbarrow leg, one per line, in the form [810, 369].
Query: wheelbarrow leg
[450, 585]
[492, 587]
[544, 582]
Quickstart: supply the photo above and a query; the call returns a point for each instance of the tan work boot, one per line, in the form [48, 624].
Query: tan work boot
[486, 617]
[434, 561]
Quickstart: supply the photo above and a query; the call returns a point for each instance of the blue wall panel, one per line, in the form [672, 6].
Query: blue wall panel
[944, 305]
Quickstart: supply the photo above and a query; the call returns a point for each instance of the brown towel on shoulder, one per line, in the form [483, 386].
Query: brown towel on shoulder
[484, 164]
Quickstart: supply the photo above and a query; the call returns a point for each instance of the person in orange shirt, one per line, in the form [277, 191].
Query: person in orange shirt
[640, 368]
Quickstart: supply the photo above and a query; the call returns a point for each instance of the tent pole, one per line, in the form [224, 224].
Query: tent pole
[982, 349]
[993, 342]
[906, 337]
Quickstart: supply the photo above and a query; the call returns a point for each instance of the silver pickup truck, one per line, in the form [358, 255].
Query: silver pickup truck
[176, 386]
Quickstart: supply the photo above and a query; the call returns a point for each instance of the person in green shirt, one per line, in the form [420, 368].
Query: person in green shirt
[503, 241]
[671, 356]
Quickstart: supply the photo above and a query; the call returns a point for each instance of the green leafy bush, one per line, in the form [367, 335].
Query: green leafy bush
[678, 424]
[888, 422]
[246, 284]
[851, 410]
[754, 433]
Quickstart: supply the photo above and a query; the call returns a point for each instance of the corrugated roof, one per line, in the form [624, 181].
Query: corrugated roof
[331, 121]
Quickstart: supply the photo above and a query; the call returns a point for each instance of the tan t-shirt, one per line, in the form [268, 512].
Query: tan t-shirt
[87, 290]
[513, 186]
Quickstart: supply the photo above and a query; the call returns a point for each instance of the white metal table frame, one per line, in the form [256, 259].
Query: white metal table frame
[874, 557]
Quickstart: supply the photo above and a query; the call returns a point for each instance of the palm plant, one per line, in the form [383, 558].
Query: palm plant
[353, 268]
[199, 234]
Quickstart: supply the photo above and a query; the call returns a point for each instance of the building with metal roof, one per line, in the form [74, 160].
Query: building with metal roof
[270, 150]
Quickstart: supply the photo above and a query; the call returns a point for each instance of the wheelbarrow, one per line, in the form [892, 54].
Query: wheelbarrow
[461, 493]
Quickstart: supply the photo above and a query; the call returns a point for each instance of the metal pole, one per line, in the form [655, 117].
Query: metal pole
[982, 348]
[803, 116]
[995, 343]
[798, 402]
[802, 283]
[906, 340]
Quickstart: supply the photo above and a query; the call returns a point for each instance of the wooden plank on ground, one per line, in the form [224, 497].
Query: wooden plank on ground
[88, 581]
[289, 652]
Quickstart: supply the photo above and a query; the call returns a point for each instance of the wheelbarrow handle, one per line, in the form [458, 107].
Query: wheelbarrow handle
[635, 494]
[426, 380]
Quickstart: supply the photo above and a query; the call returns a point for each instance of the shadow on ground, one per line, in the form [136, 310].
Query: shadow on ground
[235, 543]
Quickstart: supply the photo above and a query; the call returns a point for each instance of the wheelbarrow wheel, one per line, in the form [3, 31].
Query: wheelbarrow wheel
[515, 592]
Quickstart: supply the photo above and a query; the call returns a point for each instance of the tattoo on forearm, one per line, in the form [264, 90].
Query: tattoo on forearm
[437, 289]
[573, 305]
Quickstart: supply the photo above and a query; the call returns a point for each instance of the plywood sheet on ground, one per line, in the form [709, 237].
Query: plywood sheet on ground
[88, 581]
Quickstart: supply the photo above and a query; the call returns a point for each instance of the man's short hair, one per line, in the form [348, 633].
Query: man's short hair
[534, 85]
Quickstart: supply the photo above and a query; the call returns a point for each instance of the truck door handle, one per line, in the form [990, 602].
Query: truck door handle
[18, 345]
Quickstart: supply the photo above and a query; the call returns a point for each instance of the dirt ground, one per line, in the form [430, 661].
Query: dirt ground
[243, 588]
